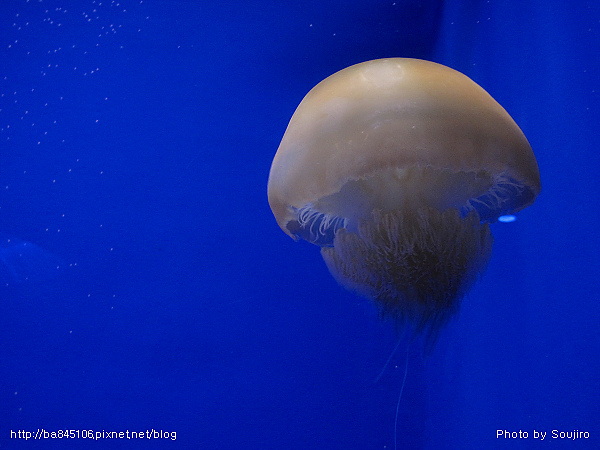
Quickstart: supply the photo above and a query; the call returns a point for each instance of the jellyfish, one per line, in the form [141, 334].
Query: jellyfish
[22, 261]
[395, 168]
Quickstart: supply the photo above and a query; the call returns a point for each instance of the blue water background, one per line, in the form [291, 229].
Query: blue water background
[135, 144]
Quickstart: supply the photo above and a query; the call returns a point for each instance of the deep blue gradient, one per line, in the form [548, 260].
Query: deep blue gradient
[135, 144]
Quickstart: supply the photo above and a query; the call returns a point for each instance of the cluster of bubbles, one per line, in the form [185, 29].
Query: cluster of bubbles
[47, 42]
[52, 51]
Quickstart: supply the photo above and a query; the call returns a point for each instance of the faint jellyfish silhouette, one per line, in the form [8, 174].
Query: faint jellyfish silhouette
[22, 261]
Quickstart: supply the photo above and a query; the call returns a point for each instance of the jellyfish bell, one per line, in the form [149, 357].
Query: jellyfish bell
[395, 167]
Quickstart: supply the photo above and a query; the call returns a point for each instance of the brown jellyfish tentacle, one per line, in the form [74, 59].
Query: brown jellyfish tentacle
[416, 265]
